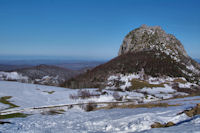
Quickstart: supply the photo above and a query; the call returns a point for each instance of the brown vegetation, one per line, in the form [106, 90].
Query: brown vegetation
[14, 115]
[91, 106]
[159, 125]
[139, 84]
[148, 105]
[53, 112]
[5, 99]
[49, 92]
[83, 94]
[152, 64]
[179, 81]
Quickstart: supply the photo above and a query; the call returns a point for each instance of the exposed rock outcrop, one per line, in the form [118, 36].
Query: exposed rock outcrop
[146, 38]
[159, 125]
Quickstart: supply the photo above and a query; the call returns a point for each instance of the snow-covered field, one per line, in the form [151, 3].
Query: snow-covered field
[77, 120]
[32, 95]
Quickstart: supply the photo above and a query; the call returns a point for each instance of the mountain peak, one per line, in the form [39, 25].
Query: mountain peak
[148, 49]
[147, 38]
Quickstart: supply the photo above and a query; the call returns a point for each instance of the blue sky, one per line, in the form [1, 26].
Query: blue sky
[92, 29]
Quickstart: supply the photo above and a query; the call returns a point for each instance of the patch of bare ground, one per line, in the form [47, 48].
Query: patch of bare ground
[180, 81]
[147, 105]
[159, 125]
[139, 84]
[53, 112]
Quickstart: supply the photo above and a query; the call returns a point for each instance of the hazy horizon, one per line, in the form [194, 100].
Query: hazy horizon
[38, 57]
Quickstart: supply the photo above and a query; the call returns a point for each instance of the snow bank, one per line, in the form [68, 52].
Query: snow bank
[13, 76]
[166, 89]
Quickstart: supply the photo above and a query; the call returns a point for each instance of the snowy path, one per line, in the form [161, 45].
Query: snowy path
[31, 109]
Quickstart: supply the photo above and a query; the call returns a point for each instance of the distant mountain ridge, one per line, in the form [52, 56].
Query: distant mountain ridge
[5, 67]
[9, 65]
[46, 74]
[44, 70]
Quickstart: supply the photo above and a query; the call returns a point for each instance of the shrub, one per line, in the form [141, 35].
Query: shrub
[104, 93]
[53, 112]
[90, 106]
[83, 94]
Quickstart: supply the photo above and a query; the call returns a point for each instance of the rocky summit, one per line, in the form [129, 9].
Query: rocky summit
[151, 38]
[146, 38]
[148, 50]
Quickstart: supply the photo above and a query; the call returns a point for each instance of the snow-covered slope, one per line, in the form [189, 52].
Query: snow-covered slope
[114, 120]
[77, 120]
[31, 95]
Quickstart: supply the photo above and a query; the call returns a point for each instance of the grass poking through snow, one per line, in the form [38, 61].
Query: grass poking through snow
[49, 92]
[15, 115]
[5, 99]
